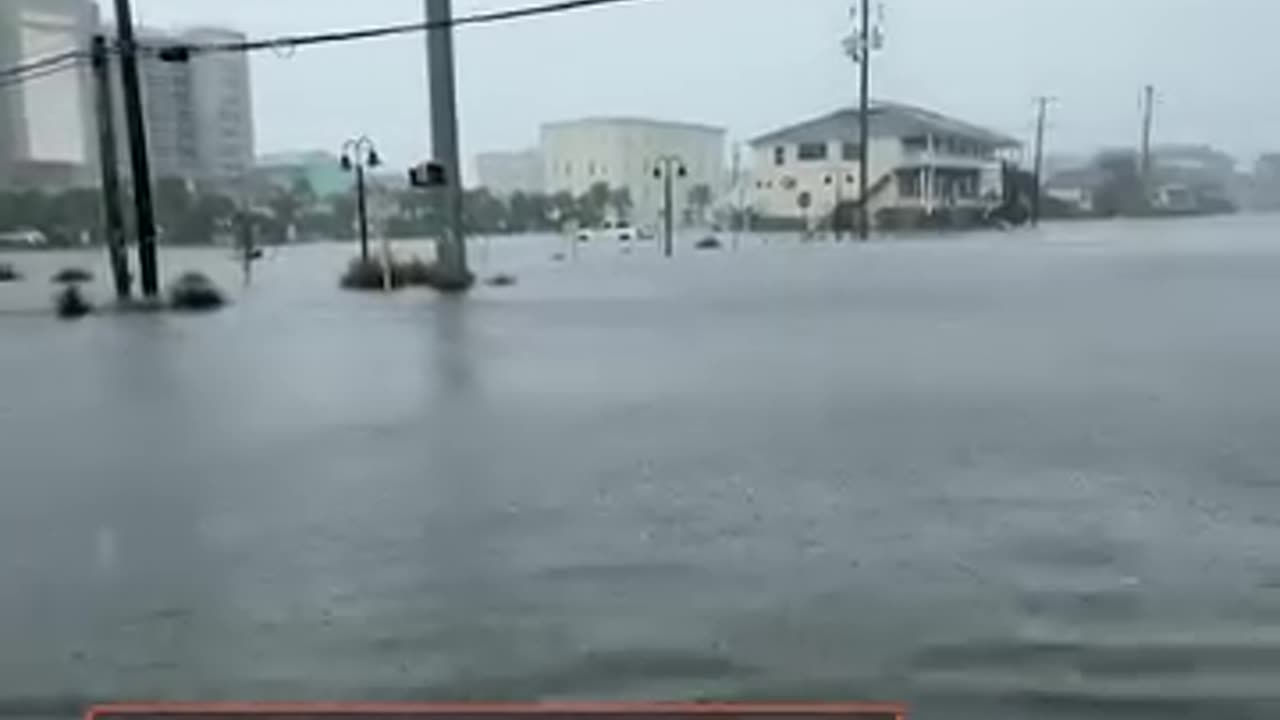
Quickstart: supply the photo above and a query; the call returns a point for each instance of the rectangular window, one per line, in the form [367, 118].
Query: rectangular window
[916, 143]
[812, 151]
[780, 155]
[851, 152]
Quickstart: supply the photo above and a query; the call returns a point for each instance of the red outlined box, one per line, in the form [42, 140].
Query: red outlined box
[498, 711]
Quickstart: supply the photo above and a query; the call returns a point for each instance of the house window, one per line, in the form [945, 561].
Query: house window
[591, 169]
[851, 152]
[812, 151]
[780, 156]
[568, 169]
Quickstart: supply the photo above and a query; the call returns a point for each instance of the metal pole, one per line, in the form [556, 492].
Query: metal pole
[444, 134]
[737, 189]
[362, 210]
[1038, 172]
[114, 214]
[668, 196]
[139, 162]
[837, 227]
[864, 112]
[1148, 110]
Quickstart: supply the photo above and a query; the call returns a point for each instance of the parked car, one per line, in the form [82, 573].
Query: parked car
[23, 238]
[621, 231]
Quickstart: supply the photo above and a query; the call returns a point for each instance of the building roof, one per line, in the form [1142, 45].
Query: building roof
[636, 121]
[887, 120]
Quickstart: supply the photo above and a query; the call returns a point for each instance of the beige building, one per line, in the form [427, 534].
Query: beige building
[624, 152]
[919, 161]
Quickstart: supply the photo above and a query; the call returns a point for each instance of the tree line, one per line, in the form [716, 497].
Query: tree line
[187, 214]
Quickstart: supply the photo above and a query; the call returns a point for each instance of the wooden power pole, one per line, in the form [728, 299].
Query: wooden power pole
[108, 159]
[1148, 111]
[1037, 191]
[864, 123]
[139, 161]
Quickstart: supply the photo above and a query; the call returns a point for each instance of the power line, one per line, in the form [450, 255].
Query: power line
[41, 63]
[181, 52]
[42, 72]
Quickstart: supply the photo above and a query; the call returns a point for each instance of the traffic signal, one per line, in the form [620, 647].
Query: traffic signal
[428, 175]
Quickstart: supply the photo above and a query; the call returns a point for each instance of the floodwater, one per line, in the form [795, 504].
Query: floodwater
[1025, 475]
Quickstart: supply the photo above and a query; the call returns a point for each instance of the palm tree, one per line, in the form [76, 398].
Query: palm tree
[563, 209]
[594, 204]
[620, 200]
[700, 198]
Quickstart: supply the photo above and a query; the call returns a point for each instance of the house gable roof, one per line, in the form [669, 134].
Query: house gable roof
[886, 120]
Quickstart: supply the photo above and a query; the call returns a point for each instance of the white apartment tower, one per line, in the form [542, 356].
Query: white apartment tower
[199, 113]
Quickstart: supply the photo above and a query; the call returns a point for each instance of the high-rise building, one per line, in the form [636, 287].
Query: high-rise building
[623, 153]
[46, 119]
[199, 114]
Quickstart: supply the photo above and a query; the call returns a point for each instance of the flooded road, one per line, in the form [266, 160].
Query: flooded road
[1026, 475]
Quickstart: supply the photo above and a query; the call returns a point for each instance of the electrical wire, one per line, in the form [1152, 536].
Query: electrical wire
[278, 44]
[40, 72]
[41, 63]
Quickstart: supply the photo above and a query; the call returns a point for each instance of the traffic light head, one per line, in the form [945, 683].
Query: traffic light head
[428, 175]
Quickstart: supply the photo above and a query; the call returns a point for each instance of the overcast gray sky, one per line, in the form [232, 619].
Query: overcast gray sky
[752, 65]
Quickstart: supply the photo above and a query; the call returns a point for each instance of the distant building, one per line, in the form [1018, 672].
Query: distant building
[47, 131]
[504, 173]
[624, 152]
[1266, 182]
[919, 162]
[199, 114]
[1075, 187]
[319, 170]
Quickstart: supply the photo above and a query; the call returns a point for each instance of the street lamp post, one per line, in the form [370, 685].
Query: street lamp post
[667, 168]
[358, 154]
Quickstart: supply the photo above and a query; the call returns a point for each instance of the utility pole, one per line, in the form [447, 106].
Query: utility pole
[444, 134]
[864, 120]
[139, 162]
[859, 46]
[1148, 110]
[1042, 104]
[107, 158]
